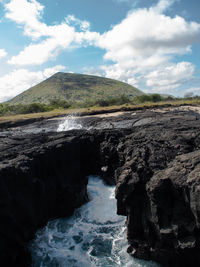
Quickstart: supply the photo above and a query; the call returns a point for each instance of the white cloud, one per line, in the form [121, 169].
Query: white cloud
[50, 71]
[194, 90]
[170, 77]
[92, 71]
[58, 37]
[162, 5]
[121, 72]
[28, 14]
[145, 33]
[36, 54]
[83, 24]
[20, 80]
[147, 40]
[142, 46]
[3, 53]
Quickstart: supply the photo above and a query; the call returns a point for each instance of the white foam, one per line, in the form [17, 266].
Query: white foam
[94, 236]
[70, 123]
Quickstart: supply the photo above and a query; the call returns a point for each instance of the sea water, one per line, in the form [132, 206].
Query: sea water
[94, 236]
[70, 123]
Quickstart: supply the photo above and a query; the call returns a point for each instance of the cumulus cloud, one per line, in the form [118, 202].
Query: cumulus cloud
[147, 40]
[20, 80]
[3, 53]
[145, 33]
[36, 54]
[122, 73]
[193, 90]
[142, 47]
[83, 24]
[170, 77]
[57, 37]
[162, 5]
[93, 71]
[27, 14]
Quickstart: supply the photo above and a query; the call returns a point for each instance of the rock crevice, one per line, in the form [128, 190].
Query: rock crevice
[155, 168]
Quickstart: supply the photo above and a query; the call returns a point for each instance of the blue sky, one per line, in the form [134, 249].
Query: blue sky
[151, 44]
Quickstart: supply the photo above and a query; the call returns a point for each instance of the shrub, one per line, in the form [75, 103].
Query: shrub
[33, 108]
[59, 103]
[120, 100]
[150, 98]
[143, 98]
[3, 109]
[156, 97]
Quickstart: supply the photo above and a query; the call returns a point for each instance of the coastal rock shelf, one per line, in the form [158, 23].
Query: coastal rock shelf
[152, 157]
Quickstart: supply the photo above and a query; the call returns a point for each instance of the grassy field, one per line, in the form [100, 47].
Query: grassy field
[98, 110]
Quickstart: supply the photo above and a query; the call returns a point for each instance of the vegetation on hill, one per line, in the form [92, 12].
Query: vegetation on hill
[66, 91]
[74, 88]
[122, 100]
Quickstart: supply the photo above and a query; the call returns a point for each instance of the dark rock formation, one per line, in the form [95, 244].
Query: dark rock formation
[157, 189]
[154, 162]
[41, 177]
[173, 195]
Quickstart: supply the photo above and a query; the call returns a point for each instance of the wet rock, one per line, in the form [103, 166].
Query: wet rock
[154, 164]
[158, 190]
[44, 178]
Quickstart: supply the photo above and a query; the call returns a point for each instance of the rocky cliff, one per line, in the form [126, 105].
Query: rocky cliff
[154, 161]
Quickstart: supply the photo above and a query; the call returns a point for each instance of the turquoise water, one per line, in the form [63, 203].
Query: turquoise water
[94, 236]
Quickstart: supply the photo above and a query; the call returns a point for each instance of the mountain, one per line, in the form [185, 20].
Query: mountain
[74, 88]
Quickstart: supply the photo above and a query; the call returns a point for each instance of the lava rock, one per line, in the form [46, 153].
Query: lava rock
[153, 159]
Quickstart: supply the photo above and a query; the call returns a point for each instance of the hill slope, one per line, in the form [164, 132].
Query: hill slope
[74, 88]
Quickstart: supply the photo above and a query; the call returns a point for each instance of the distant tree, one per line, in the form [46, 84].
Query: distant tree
[188, 95]
[33, 108]
[169, 98]
[109, 101]
[156, 98]
[59, 103]
[144, 98]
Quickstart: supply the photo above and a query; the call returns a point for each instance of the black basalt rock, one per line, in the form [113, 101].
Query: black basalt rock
[154, 162]
[157, 188]
[46, 178]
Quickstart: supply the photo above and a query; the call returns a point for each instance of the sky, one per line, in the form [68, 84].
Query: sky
[153, 45]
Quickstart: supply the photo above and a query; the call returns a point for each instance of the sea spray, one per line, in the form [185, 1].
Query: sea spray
[94, 236]
[70, 123]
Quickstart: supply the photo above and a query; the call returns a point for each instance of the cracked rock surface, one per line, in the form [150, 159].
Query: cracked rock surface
[152, 157]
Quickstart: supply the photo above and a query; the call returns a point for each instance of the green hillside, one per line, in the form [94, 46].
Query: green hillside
[74, 88]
